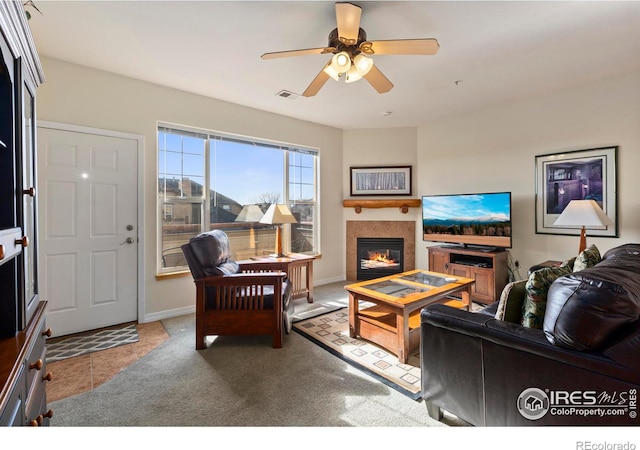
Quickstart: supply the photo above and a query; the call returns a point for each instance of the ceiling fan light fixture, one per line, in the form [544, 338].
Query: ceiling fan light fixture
[329, 70]
[351, 52]
[363, 64]
[352, 75]
[341, 62]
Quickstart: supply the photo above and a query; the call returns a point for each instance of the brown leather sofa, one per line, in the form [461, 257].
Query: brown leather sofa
[581, 368]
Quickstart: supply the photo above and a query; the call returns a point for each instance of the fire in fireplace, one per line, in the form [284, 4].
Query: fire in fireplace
[379, 257]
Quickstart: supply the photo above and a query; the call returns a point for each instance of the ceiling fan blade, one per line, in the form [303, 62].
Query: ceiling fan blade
[401, 47]
[317, 83]
[301, 52]
[348, 19]
[377, 79]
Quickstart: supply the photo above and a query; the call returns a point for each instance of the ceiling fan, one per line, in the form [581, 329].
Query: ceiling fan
[350, 47]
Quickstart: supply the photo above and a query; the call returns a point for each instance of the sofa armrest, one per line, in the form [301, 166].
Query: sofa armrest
[490, 310]
[454, 319]
[476, 367]
[517, 337]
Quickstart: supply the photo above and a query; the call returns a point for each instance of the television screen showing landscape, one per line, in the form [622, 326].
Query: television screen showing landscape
[470, 219]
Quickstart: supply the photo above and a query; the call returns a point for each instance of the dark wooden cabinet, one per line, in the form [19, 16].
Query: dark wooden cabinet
[488, 268]
[23, 374]
[23, 331]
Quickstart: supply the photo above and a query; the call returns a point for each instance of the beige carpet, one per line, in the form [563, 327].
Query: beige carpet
[331, 332]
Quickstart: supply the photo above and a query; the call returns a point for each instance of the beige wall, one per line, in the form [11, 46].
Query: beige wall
[488, 150]
[77, 95]
[384, 147]
[494, 150]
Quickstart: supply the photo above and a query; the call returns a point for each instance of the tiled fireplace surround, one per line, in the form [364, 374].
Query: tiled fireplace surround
[380, 229]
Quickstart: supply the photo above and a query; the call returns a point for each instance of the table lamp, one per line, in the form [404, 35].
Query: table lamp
[250, 213]
[583, 213]
[278, 215]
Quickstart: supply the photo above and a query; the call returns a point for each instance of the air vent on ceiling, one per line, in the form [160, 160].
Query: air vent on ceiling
[287, 94]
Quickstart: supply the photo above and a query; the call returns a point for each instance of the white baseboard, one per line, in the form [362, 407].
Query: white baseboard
[153, 317]
[329, 280]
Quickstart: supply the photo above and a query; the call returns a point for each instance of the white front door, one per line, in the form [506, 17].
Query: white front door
[88, 230]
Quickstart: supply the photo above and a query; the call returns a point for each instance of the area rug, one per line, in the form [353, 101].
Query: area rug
[327, 298]
[100, 340]
[331, 332]
[318, 309]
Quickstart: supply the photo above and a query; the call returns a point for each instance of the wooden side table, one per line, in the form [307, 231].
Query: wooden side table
[299, 268]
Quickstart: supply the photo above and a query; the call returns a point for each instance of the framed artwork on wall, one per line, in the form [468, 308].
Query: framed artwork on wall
[385, 180]
[576, 175]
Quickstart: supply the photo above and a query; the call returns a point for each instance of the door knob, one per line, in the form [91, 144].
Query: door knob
[128, 240]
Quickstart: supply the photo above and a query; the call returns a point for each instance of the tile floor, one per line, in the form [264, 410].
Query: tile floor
[83, 373]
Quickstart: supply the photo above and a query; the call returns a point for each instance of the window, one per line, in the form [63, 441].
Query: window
[210, 180]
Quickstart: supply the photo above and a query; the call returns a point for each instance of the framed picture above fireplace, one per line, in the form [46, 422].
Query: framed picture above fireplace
[381, 180]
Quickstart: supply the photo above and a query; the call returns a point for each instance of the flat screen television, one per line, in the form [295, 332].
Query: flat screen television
[482, 219]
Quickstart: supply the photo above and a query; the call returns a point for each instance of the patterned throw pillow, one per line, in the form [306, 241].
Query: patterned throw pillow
[587, 258]
[511, 300]
[537, 288]
[569, 262]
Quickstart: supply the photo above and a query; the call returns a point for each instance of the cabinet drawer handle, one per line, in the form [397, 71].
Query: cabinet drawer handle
[36, 365]
[24, 241]
[31, 192]
[47, 333]
[36, 422]
[47, 377]
[1, 252]
[49, 414]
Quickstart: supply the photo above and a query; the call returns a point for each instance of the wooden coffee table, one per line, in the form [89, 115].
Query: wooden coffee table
[393, 321]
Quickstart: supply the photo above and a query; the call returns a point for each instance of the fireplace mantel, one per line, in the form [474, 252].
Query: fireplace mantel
[404, 204]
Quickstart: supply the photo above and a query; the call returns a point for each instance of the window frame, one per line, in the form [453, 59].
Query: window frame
[205, 200]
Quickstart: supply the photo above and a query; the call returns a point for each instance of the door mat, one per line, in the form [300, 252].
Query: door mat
[99, 340]
[331, 332]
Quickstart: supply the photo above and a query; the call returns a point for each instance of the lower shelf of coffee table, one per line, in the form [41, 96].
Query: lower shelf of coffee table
[379, 325]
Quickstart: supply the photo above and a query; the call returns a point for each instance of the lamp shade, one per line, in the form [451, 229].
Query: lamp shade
[583, 213]
[278, 214]
[329, 70]
[341, 62]
[250, 213]
[352, 75]
[360, 67]
[363, 64]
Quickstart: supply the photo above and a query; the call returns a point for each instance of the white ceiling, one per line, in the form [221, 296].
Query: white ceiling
[490, 52]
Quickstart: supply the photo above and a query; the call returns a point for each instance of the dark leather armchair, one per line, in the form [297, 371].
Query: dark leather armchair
[236, 298]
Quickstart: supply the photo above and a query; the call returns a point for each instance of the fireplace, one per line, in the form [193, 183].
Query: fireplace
[379, 257]
[405, 229]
